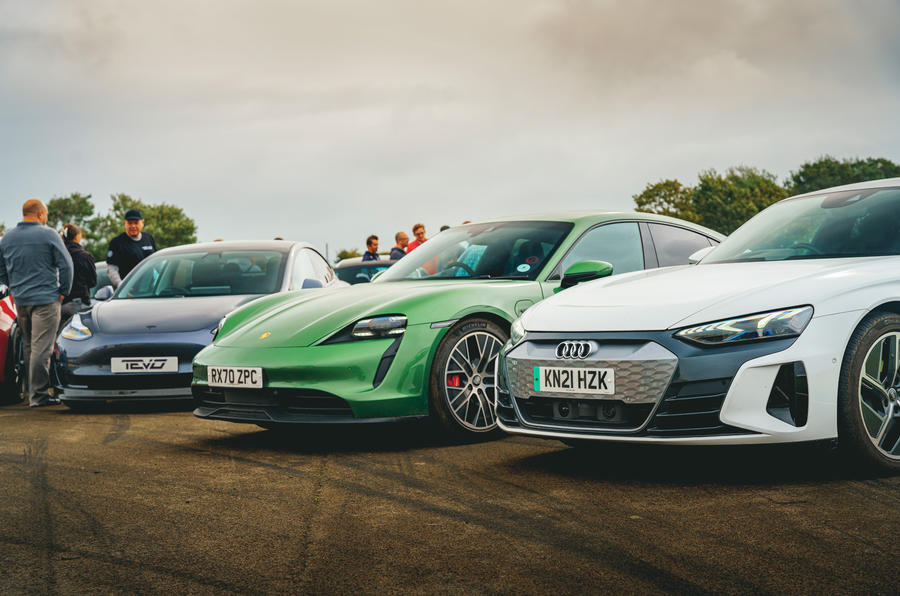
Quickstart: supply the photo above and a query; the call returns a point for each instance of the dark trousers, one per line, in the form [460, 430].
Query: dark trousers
[38, 325]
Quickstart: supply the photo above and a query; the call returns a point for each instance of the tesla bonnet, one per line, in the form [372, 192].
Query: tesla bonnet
[788, 331]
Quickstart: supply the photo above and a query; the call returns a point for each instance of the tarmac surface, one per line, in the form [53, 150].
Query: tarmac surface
[150, 501]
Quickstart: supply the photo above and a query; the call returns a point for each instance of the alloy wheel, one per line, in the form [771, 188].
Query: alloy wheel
[470, 380]
[879, 394]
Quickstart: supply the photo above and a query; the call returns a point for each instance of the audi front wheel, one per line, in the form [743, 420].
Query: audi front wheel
[869, 393]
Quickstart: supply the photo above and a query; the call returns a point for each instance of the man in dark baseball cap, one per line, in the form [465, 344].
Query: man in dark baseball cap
[129, 248]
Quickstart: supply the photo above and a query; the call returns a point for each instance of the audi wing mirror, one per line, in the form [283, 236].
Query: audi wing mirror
[583, 271]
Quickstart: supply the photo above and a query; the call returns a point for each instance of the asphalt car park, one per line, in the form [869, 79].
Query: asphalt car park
[155, 500]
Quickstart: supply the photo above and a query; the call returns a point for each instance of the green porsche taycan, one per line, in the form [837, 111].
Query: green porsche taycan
[423, 338]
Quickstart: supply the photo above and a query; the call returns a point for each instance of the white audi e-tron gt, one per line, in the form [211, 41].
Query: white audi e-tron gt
[788, 331]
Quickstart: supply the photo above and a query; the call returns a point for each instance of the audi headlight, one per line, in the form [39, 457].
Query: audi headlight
[776, 324]
[76, 330]
[389, 326]
[516, 332]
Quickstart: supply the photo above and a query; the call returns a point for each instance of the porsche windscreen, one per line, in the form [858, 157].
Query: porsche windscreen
[206, 274]
[506, 250]
[859, 223]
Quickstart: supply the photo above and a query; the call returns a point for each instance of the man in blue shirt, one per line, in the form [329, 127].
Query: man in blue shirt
[371, 253]
[37, 268]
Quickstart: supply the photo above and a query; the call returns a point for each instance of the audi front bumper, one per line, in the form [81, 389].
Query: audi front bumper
[670, 391]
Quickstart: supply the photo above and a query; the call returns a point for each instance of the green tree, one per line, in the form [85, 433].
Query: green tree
[828, 171]
[2, 228]
[724, 202]
[667, 197]
[346, 254]
[75, 208]
[168, 224]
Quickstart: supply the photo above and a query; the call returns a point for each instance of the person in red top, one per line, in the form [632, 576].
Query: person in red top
[419, 232]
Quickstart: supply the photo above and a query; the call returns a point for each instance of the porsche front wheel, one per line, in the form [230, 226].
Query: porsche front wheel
[463, 387]
[869, 393]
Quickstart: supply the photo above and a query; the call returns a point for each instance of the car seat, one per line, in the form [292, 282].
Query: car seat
[834, 237]
[530, 252]
[877, 232]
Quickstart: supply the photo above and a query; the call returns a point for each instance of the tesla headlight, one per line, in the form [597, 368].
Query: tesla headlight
[390, 326]
[516, 332]
[76, 330]
[776, 324]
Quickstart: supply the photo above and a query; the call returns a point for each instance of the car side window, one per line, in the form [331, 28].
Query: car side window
[320, 265]
[302, 270]
[674, 245]
[619, 244]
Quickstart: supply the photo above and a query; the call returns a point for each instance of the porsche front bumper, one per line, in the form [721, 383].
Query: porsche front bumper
[325, 383]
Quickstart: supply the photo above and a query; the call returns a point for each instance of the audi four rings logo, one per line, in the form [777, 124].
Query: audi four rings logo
[574, 350]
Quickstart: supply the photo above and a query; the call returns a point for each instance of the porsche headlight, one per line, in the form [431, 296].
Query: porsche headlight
[76, 330]
[376, 327]
[776, 324]
[516, 332]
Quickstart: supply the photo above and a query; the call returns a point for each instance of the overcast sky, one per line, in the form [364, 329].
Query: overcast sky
[327, 121]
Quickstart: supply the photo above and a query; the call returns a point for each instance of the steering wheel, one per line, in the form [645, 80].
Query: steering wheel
[808, 247]
[462, 266]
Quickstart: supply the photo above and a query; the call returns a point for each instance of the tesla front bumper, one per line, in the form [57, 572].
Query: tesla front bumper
[83, 368]
[670, 391]
[373, 380]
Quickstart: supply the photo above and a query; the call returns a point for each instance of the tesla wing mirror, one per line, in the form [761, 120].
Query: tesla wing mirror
[585, 271]
[699, 255]
[310, 283]
[104, 293]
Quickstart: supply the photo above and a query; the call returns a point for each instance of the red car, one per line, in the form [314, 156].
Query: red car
[8, 379]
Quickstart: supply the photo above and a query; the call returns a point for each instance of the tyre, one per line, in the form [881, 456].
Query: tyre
[868, 402]
[13, 388]
[9, 393]
[463, 384]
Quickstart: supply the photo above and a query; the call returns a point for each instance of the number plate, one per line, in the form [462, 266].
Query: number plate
[235, 376]
[148, 364]
[558, 379]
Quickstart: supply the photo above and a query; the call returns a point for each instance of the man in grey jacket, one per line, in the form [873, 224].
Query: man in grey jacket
[36, 266]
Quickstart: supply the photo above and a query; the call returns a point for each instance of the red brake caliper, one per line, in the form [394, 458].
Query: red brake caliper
[452, 380]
